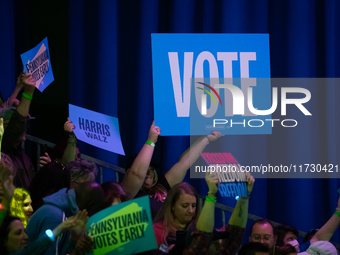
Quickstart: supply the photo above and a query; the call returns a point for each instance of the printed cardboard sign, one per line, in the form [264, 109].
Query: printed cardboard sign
[232, 179]
[38, 63]
[124, 228]
[201, 83]
[97, 129]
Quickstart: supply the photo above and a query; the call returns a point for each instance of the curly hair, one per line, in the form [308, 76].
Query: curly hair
[16, 207]
[82, 170]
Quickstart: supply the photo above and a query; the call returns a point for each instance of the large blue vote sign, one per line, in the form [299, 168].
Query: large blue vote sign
[205, 82]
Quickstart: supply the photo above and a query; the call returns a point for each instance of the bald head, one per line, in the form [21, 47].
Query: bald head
[90, 196]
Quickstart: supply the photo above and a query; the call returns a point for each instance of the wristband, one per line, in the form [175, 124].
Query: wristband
[210, 199]
[150, 143]
[2, 215]
[27, 96]
[50, 235]
[247, 197]
[337, 213]
[208, 140]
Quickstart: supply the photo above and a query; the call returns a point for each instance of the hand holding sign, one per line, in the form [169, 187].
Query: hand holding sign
[20, 83]
[250, 183]
[68, 126]
[29, 83]
[212, 181]
[154, 133]
[12, 100]
[214, 136]
[97, 129]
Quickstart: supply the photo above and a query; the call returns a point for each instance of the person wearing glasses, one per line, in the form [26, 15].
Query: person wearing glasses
[263, 231]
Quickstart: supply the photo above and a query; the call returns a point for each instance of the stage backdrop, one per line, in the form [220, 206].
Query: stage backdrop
[101, 57]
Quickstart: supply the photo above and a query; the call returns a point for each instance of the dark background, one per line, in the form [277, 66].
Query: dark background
[101, 59]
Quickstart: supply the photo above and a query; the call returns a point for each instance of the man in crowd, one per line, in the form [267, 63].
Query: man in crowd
[263, 231]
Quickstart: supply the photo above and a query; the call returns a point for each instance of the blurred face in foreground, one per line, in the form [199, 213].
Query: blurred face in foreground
[17, 238]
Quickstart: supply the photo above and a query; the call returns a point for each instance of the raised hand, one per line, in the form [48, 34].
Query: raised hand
[212, 181]
[28, 80]
[250, 182]
[20, 83]
[214, 136]
[2, 130]
[68, 126]
[154, 133]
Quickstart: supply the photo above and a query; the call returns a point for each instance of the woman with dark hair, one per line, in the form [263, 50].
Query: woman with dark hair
[114, 193]
[50, 179]
[13, 238]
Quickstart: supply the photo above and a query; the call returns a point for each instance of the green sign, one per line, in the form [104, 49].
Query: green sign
[125, 228]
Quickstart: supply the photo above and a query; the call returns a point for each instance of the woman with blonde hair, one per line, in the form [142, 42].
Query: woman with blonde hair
[179, 212]
[21, 205]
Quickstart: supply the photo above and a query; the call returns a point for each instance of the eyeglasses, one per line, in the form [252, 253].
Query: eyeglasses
[264, 238]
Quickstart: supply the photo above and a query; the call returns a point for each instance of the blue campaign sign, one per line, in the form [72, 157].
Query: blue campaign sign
[97, 129]
[37, 62]
[124, 228]
[201, 83]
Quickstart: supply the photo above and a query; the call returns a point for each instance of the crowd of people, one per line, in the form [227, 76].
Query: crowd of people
[46, 211]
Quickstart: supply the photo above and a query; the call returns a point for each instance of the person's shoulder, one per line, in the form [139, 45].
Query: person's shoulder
[46, 217]
[47, 211]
